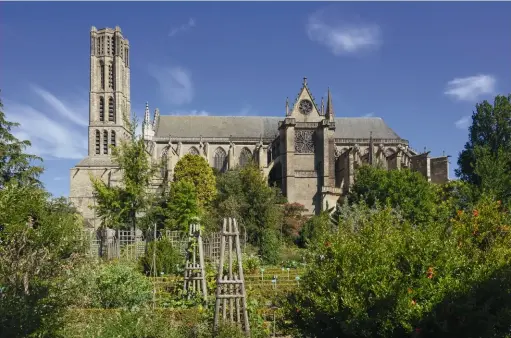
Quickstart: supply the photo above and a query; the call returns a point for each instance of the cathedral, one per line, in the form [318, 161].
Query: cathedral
[308, 151]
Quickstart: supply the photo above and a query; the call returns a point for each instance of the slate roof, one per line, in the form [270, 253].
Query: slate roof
[255, 126]
[96, 161]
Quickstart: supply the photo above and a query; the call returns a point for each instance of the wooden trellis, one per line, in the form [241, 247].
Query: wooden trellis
[195, 276]
[231, 301]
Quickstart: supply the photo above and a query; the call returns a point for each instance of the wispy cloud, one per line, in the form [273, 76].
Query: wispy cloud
[55, 128]
[184, 27]
[245, 111]
[342, 36]
[470, 88]
[175, 83]
[368, 115]
[463, 122]
[60, 178]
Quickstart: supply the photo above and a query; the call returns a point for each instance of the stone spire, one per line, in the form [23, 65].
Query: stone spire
[322, 112]
[147, 126]
[156, 119]
[287, 106]
[329, 114]
[146, 116]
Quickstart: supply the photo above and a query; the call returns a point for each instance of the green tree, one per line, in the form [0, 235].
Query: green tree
[408, 190]
[244, 193]
[490, 129]
[195, 168]
[40, 245]
[15, 164]
[183, 207]
[120, 206]
[493, 170]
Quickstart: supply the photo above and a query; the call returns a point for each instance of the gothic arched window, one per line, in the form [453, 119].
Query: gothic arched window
[113, 45]
[102, 74]
[111, 76]
[98, 142]
[220, 160]
[245, 157]
[102, 109]
[105, 142]
[193, 151]
[112, 138]
[111, 112]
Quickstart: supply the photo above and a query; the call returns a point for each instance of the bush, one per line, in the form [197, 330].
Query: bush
[314, 228]
[169, 260]
[121, 285]
[270, 247]
[380, 276]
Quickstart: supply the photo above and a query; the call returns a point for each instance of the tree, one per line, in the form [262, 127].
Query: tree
[493, 170]
[408, 190]
[245, 194]
[195, 168]
[120, 206]
[40, 244]
[183, 206]
[490, 129]
[15, 164]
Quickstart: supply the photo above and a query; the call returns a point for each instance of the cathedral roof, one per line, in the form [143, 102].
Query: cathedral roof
[267, 127]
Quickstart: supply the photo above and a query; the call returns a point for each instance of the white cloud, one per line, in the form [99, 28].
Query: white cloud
[470, 88]
[60, 107]
[184, 27]
[245, 111]
[369, 115]
[342, 36]
[463, 122]
[175, 83]
[60, 135]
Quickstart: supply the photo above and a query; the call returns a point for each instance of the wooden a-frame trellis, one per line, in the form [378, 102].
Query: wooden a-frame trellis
[231, 300]
[195, 276]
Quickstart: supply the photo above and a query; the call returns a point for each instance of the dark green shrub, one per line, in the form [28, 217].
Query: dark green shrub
[270, 247]
[168, 259]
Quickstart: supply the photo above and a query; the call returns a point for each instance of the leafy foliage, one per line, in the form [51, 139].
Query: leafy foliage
[40, 244]
[379, 276]
[490, 129]
[15, 164]
[494, 171]
[195, 169]
[244, 193]
[314, 228]
[117, 206]
[408, 190]
[293, 221]
[183, 206]
[168, 259]
[120, 285]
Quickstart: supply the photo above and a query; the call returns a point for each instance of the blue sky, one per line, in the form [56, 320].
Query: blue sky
[419, 66]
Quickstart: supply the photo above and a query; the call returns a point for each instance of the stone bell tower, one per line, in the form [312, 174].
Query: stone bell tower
[109, 107]
[109, 98]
